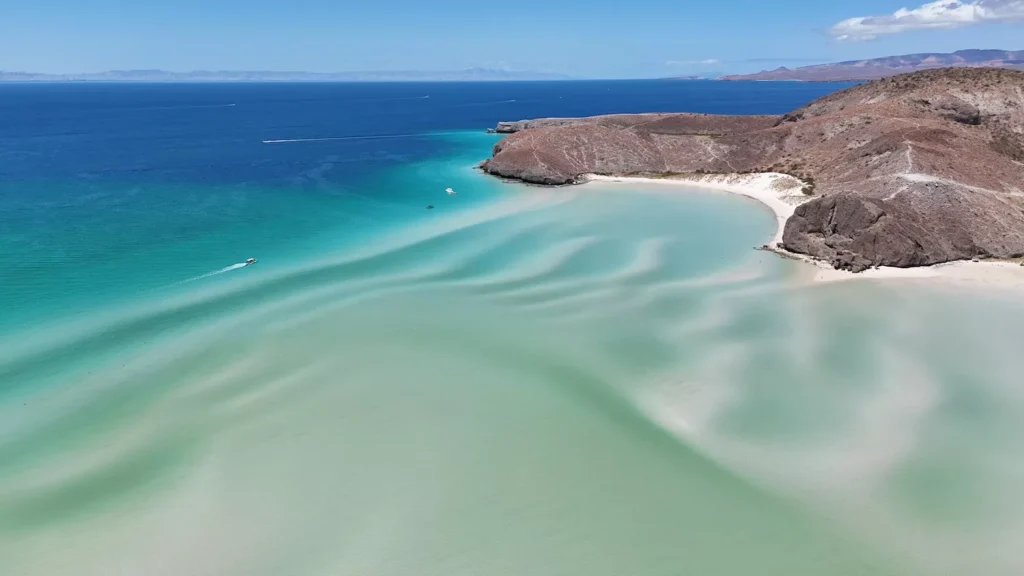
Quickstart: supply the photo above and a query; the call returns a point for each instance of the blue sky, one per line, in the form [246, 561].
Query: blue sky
[584, 38]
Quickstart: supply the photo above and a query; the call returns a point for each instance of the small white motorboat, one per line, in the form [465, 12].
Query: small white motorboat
[250, 261]
[450, 192]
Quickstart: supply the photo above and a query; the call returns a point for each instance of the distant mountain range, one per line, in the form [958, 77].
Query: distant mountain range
[890, 66]
[470, 75]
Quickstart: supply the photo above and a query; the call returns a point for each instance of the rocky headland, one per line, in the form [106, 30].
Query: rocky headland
[912, 170]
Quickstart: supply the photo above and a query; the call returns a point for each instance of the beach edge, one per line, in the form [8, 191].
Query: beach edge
[782, 193]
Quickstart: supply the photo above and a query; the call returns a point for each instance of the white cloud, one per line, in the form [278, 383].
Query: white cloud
[708, 62]
[938, 14]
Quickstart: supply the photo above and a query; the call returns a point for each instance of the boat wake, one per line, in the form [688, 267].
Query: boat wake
[218, 272]
[374, 137]
[190, 107]
[402, 98]
[492, 103]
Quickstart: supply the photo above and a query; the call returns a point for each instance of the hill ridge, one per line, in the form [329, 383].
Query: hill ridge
[874, 68]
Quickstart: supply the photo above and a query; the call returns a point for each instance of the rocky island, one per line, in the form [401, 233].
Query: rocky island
[911, 170]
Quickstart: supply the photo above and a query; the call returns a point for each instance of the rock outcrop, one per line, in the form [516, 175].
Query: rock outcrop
[910, 170]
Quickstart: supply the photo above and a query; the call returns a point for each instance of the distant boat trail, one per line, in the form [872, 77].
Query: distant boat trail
[216, 272]
[377, 137]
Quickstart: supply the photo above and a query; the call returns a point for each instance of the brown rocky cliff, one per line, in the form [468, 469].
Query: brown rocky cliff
[911, 170]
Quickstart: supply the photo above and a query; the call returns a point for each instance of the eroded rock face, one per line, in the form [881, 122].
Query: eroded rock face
[560, 150]
[857, 233]
[907, 171]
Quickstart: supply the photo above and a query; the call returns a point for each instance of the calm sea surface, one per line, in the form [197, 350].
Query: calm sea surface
[597, 380]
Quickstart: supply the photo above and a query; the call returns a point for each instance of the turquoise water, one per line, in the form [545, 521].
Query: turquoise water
[604, 379]
[109, 243]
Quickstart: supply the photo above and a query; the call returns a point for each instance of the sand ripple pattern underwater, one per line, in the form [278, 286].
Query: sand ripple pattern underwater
[601, 380]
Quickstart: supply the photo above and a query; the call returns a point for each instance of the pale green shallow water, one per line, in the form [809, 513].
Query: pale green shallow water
[595, 380]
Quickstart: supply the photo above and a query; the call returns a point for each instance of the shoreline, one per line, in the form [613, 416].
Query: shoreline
[782, 194]
[779, 192]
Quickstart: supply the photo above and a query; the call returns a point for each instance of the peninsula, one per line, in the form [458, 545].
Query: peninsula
[911, 170]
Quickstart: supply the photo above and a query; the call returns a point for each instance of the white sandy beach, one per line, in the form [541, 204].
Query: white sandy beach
[782, 194]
